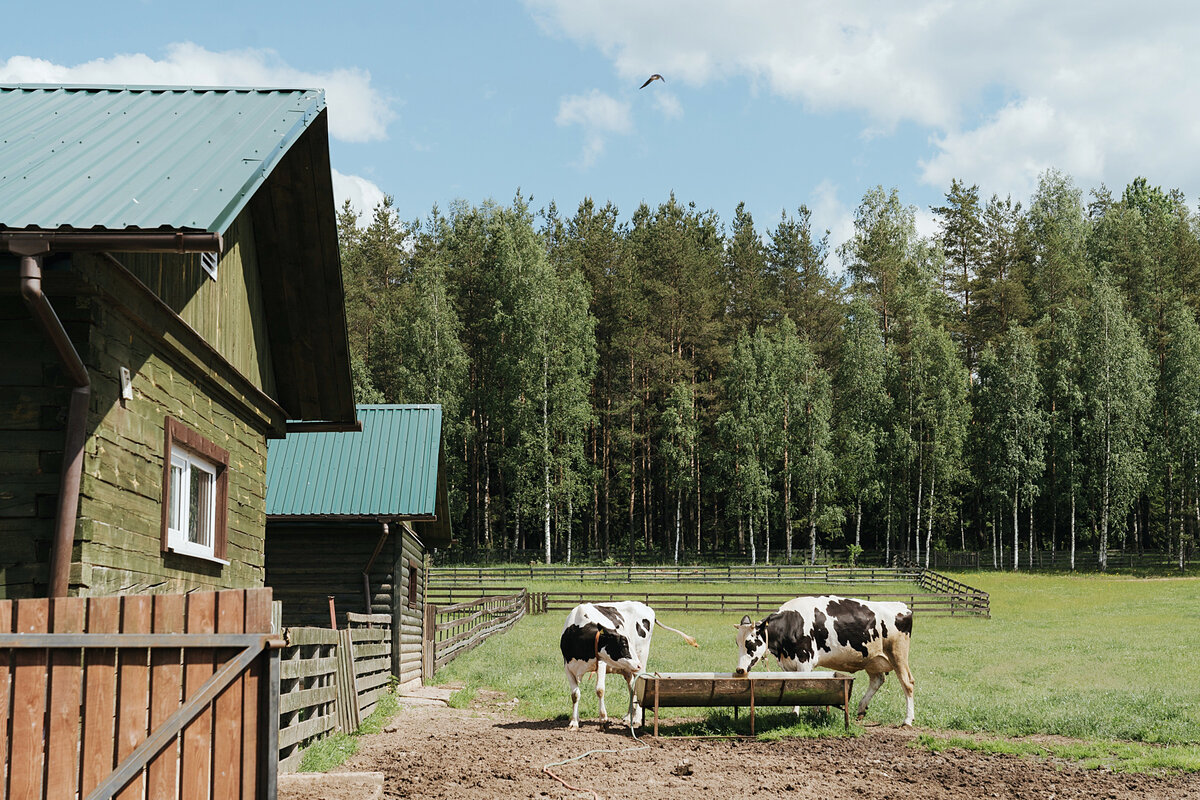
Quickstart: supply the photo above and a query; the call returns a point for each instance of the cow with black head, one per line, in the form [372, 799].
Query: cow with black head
[835, 632]
[609, 636]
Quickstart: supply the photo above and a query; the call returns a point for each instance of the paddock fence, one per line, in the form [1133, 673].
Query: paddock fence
[940, 595]
[732, 573]
[330, 680]
[1059, 560]
[456, 628]
[925, 605]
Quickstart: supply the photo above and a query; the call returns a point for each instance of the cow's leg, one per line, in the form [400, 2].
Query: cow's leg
[898, 654]
[600, 669]
[635, 709]
[573, 685]
[904, 675]
[872, 688]
[796, 666]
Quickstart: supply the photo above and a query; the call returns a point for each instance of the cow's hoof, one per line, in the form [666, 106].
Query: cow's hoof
[907, 726]
[573, 726]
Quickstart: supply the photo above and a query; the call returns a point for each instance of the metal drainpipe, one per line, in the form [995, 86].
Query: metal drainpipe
[72, 466]
[367, 571]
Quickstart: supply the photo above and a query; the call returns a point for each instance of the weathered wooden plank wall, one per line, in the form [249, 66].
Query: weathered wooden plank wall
[304, 569]
[408, 629]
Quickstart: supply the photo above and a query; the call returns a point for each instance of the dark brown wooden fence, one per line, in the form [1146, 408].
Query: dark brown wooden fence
[160, 696]
[940, 595]
[452, 630]
[936, 605]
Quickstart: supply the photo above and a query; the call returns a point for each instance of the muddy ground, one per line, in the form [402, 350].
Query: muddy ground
[486, 752]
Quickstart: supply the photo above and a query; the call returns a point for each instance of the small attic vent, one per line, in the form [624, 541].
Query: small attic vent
[209, 262]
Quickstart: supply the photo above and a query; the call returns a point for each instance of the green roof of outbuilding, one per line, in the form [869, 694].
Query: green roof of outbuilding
[141, 157]
[388, 471]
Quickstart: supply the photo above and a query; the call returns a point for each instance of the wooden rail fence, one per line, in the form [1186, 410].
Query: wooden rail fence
[937, 605]
[941, 595]
[452, 630]
[474, 576]
[330, 680]
[138, 696]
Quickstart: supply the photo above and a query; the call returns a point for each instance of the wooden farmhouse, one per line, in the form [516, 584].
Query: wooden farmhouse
[170, 300]
[350, 517]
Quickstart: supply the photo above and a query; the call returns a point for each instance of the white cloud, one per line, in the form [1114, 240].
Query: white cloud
[599, 115]
[357, 111]
[829, 213]
[1105, 90]
[668, 105]
[362, 194]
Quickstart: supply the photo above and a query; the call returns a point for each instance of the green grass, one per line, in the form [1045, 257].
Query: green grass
[333, 750]
[1096, 658]
[1115, 756]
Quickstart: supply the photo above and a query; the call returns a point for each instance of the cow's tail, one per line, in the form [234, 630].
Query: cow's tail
[690, 640]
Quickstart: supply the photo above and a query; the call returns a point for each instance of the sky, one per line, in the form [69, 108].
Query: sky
[775, 103]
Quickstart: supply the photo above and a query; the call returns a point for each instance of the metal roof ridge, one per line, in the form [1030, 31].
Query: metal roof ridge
[149, 87]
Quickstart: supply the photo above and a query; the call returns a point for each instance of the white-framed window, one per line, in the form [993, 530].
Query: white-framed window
[192, 510]
[195, 494]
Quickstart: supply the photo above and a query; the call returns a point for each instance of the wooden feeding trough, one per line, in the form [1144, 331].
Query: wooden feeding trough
[756, 689]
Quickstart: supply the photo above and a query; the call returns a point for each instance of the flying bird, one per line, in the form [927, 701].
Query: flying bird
[652, 78]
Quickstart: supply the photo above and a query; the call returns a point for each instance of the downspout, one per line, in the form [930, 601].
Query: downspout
[31, 246]
[367, 570]
[77, 374]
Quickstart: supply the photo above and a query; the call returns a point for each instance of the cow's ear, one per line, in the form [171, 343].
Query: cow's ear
[745, 620]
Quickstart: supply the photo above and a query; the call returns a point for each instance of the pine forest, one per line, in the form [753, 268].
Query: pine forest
[672, 387]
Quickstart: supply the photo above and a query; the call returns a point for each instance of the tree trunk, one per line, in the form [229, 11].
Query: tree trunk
[929, 521]
[858, 520]
[767, 533]
[920, 490]
[812, 526]
[678, 521]
[570, 524]
[1030, 505]
[887, 547]
[546, 447]
[487, 492]
[1016, 532]
[753, 544]
[1072, 529]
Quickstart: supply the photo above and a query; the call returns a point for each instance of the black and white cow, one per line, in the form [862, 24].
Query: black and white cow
[835, 632]
[616, 636]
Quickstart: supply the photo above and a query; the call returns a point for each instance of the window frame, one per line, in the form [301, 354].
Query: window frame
[182, 444]
[414, 577]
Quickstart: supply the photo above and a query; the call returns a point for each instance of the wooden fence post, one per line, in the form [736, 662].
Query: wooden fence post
[428, 639]
[347, 692]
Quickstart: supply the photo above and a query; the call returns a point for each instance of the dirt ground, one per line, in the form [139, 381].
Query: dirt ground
[486, 752]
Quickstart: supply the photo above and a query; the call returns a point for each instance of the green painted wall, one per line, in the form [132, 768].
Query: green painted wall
[113, 322]
[120, 508]
[227, 312]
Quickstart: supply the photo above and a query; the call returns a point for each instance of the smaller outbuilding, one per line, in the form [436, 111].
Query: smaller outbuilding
[351, 516]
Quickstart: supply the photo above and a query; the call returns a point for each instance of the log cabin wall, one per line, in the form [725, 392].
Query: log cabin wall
[409, 613]
[306, 563]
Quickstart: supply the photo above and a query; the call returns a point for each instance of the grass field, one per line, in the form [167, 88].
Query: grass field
[1098, 658]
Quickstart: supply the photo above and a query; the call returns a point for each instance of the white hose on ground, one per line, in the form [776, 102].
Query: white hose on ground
[581, 756]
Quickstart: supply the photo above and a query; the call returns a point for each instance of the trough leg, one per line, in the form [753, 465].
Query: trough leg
[751, 709]
[846, 702]
[655, 709]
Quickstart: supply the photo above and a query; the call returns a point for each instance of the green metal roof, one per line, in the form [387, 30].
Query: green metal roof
[141, 157]
[388, 471]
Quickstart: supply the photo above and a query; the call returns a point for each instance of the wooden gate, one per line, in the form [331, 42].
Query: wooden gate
[158, 696]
